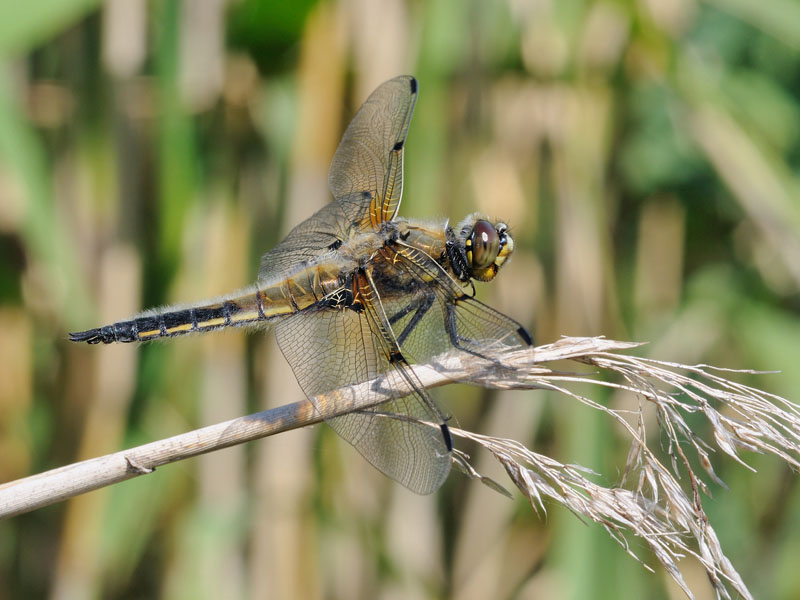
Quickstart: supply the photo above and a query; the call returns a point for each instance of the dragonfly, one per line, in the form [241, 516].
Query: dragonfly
[355, 293]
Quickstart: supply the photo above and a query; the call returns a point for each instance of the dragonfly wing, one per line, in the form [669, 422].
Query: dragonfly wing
[368, 164]
[315, 236]
[437, 315]
[366, 178]
[330, 350]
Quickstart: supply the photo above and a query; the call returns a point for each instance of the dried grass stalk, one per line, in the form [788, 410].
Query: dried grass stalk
[653, 506]
[649, 503]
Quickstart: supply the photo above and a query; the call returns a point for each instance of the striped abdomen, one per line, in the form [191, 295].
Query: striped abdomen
[309, 287]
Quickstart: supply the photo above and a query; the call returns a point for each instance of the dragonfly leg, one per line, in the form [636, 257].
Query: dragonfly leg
[464, 344]
[421, 304]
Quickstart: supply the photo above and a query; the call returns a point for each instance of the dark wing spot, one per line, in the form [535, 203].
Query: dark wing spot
[523, 333]
[448, 441]
[398, 146]
[335, 245]
[413, 83]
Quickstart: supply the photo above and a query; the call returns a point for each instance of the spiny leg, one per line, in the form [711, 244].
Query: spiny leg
[392, 344]
[421, 305]
[457, 339]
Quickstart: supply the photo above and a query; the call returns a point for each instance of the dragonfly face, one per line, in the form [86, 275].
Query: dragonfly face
[355, 294]
[485, 246]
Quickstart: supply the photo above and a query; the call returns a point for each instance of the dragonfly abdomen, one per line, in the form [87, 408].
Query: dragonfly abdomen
[310, 287]
[172, 323]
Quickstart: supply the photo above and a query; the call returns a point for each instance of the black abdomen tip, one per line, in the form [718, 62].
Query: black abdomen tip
[118, 332]
[91, 336]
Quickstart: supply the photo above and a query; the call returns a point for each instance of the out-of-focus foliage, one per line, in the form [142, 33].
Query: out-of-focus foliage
[646, 154]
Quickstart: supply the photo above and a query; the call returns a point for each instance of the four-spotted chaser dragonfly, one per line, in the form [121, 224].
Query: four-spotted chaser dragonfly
[354, 293]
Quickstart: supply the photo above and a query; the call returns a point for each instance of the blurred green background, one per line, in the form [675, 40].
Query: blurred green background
[646, 154]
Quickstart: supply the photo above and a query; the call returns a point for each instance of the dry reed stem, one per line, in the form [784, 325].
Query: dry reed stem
[655, 507]
[649, 502]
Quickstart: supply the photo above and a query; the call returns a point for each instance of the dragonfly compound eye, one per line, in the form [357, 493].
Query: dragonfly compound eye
[483, 245]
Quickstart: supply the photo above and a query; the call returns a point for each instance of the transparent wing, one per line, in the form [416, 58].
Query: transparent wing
[366, 179]
[434, 315]
[369, 159]
[465, 324]
[312, 238]
[331, 349]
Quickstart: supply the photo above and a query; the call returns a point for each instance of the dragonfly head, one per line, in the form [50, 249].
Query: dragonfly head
[486, 246]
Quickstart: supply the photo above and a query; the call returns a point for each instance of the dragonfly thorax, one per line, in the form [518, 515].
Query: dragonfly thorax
[360, 248]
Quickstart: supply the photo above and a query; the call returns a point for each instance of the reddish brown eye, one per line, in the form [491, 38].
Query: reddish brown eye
[485, 244]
